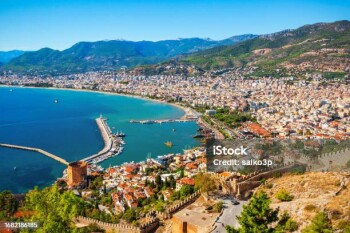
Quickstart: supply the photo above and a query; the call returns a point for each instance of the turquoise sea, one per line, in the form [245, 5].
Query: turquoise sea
[29, 117]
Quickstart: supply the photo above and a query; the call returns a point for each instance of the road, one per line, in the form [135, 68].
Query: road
[229, 215]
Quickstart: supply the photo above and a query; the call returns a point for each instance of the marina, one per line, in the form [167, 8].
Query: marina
[113, 143]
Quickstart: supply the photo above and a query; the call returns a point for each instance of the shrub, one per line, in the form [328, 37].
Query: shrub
[283, 195]
[218, 206]
[320, 223]
[291, 225]
[310, 207]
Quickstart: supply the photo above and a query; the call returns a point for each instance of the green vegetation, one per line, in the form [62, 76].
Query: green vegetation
[333, 75]
[91, 228]
[286, 46]
[300, 169]
[273, 148]
[38, 85]
[333, 146]
[130, 215]
[286, 224]
[8, 205]
[204, 182]
[258, 217]
[186, 190]
[106, 55]
[344, 225]
[54, 211]
[218, 206]
[283, 195]
[9, 55]
[320, 224]
[232, 118]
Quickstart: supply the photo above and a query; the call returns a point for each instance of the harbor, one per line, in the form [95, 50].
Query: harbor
[113, 143]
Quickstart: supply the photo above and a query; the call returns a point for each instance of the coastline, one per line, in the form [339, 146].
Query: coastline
[177, 114]
[187, 110]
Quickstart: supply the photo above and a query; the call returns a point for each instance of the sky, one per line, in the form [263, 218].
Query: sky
[59, 24]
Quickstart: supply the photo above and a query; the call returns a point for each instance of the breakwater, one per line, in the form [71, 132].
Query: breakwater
[112, 143]
[160, 121]
[112, 146]
[55, 157]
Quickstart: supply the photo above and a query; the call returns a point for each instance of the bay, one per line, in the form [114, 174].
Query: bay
[29, 117]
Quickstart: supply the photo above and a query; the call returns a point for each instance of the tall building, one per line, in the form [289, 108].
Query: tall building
[77, 173]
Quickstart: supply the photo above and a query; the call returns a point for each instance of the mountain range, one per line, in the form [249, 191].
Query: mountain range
[320, 47]
[9, 55]
[107, 55]
[323, 47]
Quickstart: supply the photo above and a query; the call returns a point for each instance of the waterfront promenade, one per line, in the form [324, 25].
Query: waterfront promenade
[55, 157]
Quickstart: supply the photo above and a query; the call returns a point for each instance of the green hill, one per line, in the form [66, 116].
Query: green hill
[323, 47]
[105, 55]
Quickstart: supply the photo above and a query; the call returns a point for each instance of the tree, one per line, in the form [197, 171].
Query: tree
[158, 181]
[54, 211]
[286, 224]
[159, 206]
[186, 190]
[172, 182]
[8, 205]
[166, 183]
[130, 215]
[320, 224]
[182, 173]
[257, 216]
[204, 182]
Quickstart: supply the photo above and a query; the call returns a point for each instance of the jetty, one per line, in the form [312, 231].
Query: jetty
[111, 144]
[48, 154]
[161, 121]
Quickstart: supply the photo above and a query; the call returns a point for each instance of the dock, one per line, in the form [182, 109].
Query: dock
[48, 154]
[108, 139]
[161, 121]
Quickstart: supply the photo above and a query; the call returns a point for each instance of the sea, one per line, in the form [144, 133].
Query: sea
[30, 117]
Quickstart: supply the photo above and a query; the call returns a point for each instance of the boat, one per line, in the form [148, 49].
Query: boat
[168, 144]
[15, 168]
[120, 134]
[174, 130]
[198, 135]
[11, 90]
[56, 101]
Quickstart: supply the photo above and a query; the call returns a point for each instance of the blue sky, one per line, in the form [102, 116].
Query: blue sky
[34, 24]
